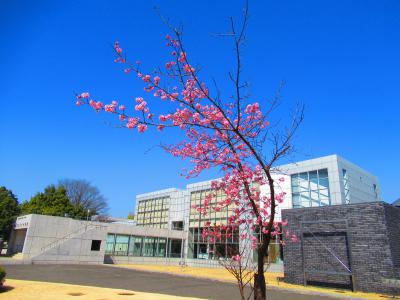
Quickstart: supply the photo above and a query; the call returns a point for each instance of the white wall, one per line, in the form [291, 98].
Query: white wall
[360, 183]
[280, 186]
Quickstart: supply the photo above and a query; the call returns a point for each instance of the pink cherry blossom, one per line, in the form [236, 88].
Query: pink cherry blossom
[236, 258]
[218, 133]
[142, 128]
[84, 95]
[117, 47]
[109, 108]
[146, 78]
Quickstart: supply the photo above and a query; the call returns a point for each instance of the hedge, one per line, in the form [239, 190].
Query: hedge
[2, 275]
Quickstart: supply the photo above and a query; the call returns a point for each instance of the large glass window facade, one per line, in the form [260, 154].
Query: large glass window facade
[275, 250]
[153, 212]
[227, 244]
[124, 245]
[310, 188]
[214, 217]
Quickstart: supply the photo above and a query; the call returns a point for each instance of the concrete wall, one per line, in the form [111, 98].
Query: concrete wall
[19, 240]
[145, 231]
[361, 190]
[361, 183]
[18, 235]
[373, 241]
[49, 239]
[63, 240]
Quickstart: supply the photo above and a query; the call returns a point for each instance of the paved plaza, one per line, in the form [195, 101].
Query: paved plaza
[120, 278]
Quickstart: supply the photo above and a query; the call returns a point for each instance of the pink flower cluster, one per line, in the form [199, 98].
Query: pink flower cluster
[215, 136]
[141, 105]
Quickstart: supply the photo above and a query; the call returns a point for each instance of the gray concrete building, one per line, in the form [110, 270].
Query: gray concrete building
[168, 228]
[49, 239]
[324, 181]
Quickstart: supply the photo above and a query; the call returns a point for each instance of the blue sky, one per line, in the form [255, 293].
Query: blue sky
[340, 58]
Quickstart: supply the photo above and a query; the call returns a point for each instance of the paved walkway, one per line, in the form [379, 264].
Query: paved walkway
[111, 277]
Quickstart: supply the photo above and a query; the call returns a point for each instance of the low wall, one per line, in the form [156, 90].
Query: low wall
[364, 237]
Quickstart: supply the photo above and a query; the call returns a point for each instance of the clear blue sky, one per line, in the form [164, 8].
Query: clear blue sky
[341, 58]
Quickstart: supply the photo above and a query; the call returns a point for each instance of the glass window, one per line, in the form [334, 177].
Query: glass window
[162, 246]
[315, 199]
[155, 213]
[110, 242]
[202, 248]
[324, 183]
[310, 188]
[346, 186]
[323, 173]
[175, 248]
[304, 199]
[149, 246]
[121, 245]
[374, 187]
[96, 244]
[135, 246]
[313, 181]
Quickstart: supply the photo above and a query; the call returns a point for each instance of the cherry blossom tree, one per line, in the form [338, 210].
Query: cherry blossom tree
[231, 134]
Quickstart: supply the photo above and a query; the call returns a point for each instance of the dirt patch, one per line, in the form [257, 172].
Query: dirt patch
[76, 294]
[126, 294]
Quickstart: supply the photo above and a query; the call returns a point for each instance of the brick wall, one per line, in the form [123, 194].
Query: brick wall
[393, 225]
[370, 245]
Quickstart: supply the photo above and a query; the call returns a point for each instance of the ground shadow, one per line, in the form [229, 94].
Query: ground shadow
[6, 288]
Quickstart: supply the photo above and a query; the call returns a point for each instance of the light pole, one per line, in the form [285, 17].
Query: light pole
[88, 211]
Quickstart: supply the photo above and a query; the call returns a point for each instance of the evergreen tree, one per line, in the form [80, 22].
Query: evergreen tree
[9, 210]
[54, 202]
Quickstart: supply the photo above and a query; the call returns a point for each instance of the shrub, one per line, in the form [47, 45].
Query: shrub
[2, 276]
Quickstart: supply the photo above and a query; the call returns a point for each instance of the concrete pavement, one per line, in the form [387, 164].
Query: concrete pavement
[111, 277]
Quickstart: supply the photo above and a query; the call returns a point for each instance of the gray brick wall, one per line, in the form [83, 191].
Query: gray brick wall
[393, 225]
[370, 246]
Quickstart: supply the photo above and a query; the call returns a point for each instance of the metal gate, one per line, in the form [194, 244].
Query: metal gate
[326, 253]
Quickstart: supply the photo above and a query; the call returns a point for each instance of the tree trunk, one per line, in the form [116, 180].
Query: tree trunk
[259, 286]
[260, 292]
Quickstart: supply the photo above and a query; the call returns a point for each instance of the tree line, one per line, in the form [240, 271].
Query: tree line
[77, 199]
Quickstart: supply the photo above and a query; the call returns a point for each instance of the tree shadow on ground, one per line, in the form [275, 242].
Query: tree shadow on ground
[5, 288]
